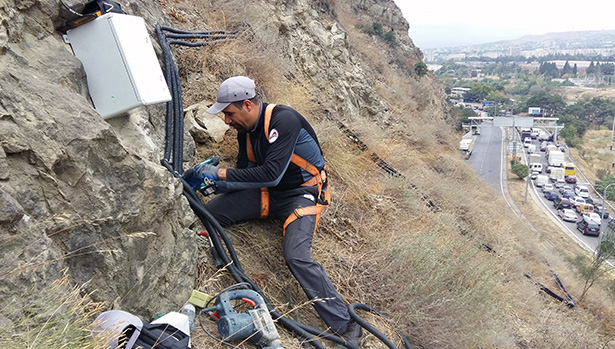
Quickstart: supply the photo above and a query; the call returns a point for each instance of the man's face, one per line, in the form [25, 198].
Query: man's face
[240, 119]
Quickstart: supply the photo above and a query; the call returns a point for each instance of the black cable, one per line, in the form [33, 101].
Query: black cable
[372, 329]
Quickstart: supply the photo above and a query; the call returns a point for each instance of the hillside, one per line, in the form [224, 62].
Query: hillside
[91, 221]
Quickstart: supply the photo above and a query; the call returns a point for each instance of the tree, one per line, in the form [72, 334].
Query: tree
[389, 37]
[521, 170]
[602, 184]
[566, 69]
[605, 251]
[374, 29]
[420, 68]
[550, 104]
[607, 69]
[591, 69]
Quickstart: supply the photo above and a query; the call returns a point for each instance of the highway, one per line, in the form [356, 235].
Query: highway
[588, 242]
[487, 154]
[486, 160]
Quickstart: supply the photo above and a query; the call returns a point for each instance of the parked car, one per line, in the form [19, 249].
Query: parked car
[560, 183]
[571, 179]
[568, 194]
[565, 188]
[568, 215]
[589, 200]
[592, 216]
[551, 195]
[576, 201]
[548, 187]
[562, 203]
[588, 228]
[534, 175]
[548, 170]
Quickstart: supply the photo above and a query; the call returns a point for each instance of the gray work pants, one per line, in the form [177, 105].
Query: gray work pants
[233, 207]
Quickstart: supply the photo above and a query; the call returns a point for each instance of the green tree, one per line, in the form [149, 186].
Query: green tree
[602, 184]
[566, 69]
[420, 68]
[596, 268]
[550, 104]
[591, 69]
[607, 68]
[374, 29]
[521, 170]
[389, 37]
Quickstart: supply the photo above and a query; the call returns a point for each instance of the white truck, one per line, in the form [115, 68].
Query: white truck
[535, 158]
[535, 163]
[555, 158]
[466, 145]
[541, 180]
[557, 173]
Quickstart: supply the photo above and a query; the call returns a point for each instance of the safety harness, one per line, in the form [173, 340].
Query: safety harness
[319, 179]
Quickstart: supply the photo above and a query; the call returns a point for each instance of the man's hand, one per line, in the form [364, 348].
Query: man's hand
[207, 170]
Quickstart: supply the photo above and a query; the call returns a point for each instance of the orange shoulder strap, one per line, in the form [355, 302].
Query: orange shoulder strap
[267, 120]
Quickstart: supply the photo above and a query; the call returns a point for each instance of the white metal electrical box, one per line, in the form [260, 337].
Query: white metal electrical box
[120, 63]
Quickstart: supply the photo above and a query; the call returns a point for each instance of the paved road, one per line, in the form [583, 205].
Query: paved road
[486, 160]
[589, 242]
[487, 155]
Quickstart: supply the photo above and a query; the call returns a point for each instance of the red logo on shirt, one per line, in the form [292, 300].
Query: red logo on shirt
[273, 135]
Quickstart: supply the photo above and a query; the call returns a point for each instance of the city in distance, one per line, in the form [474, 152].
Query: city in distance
[572, 44]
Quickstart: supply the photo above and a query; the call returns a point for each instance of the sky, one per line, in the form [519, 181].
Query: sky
[445, 23]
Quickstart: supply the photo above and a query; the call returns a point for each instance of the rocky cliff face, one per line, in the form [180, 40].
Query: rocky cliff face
[89, 194]
[78, 191]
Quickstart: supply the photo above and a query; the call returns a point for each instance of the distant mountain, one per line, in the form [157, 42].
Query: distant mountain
[562, 40]
[576, 43]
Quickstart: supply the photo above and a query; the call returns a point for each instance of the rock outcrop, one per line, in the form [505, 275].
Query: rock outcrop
[77, 191]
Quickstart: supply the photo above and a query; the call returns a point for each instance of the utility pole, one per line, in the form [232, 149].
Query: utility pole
[604, 207]
[527, 183]
[514, 137]
[612, 135]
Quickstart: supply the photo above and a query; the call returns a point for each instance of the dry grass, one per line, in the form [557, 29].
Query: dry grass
[56, 316]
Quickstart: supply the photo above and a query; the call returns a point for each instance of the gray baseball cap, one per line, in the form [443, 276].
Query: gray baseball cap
[237, 88]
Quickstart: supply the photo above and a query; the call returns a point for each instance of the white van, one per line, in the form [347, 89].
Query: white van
[526, 142]
[535, 167]
[541, 180]
[582, 191]
[535, 133]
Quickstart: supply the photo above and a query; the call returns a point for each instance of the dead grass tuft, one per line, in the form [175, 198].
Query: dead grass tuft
[57, 315]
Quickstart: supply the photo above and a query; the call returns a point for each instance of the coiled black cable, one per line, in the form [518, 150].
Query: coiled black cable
[222, 246]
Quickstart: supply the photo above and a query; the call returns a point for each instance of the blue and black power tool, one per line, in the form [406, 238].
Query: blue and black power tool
[255, 325]
[205, 185]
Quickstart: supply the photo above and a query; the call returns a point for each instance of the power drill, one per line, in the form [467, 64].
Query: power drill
[255, 325]
[206, 186]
